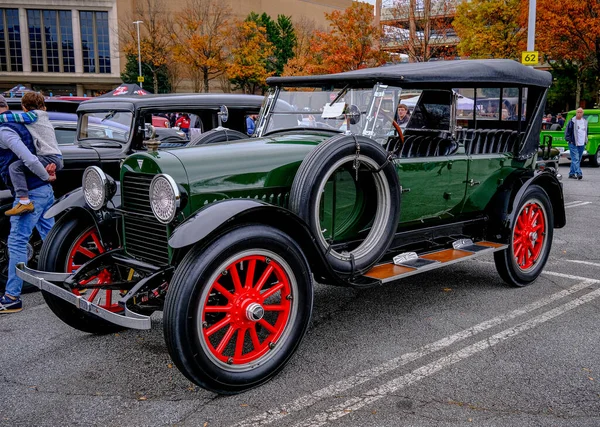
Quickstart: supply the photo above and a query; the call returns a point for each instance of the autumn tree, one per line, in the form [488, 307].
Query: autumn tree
[130, 74]
[422, 31]
[304, 29]
[348, 45]
[200, 36]
[250, 51]
[281, 35]
[155, 39]
[570, 40]
[492, 28]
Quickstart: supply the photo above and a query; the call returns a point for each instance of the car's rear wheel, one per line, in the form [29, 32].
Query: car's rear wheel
[595, 158]
[236, 310]
[72, 242]
[530, 239]
[348, 193]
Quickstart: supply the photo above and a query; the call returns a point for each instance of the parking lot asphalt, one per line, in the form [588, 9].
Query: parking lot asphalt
[450, 347]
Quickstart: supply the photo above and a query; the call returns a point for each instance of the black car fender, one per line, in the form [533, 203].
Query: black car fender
[76, 199]
[217, 218]
[106, 220]
[501, 209]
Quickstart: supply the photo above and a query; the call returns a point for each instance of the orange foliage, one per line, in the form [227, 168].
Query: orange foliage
[250, 50]
[200, 38]
[492, 28]
[349, 45]
[569, 31]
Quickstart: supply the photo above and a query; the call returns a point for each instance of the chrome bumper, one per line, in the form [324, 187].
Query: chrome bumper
[43, 279]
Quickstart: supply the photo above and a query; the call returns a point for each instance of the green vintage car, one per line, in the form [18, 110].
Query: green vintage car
[592, 148]
[227, 239]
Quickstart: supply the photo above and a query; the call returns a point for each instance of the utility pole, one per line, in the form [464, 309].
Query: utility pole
[531, 27]
[137, 23]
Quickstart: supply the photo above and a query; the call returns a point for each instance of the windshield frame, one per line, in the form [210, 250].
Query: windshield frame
[83, 121]
[376, 97]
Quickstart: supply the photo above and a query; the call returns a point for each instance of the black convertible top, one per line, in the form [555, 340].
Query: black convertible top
[173, 101]
[466, 73]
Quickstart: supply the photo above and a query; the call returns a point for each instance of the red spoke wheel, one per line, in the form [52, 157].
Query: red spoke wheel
[237, 309]
[247, 309]
[86, 247]
[529, 235]
[530, 239]
[73, 241]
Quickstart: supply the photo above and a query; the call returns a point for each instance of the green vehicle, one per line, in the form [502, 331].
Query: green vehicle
[227, 239]
[592, 151]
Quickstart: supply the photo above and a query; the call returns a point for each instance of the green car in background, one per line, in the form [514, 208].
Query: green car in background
[592, 148]
[227, 239]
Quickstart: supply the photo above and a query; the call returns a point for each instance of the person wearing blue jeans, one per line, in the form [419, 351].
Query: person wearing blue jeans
[576, 134]
[16, 143]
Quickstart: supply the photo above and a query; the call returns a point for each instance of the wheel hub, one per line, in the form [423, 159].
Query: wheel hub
[254, 312]
[533, 236]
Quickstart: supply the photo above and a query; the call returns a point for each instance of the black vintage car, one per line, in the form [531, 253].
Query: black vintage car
[110, 129]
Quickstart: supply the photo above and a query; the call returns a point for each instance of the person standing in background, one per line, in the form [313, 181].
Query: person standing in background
[577, 137]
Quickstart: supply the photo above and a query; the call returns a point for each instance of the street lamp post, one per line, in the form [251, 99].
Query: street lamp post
[137, 23]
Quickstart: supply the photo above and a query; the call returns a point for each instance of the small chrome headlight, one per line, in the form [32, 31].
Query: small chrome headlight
[95, 187]
[165, 198]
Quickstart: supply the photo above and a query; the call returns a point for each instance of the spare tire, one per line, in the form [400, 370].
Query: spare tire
[376, 209]
[217, 135]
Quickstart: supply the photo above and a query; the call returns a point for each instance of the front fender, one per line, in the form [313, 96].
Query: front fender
[218, 217]
[75, 199]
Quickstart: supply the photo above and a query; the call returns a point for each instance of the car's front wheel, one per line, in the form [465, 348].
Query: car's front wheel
[236, 310]
[72, 242]
[530, 239]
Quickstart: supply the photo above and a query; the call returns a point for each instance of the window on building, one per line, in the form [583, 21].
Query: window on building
[95, 43]
[51, 41]
[11, 58]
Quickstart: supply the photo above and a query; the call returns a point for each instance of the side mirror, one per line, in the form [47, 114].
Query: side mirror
[353, 114]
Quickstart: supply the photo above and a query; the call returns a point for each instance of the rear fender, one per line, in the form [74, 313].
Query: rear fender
[502, 208]
[217, 218]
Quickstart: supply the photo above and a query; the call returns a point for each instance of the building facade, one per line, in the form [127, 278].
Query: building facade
[64, 47]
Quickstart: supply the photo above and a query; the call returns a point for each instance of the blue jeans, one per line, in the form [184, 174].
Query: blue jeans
[21, 227]
[576, 152]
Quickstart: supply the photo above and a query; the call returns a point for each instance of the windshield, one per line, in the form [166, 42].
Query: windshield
[110, 125]
[367, 111]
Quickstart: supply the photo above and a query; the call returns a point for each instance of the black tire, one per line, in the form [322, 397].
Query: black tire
[314, 172]
[513, 271]
[192, 289]
[217, 135]
[595, 158]
[53, 257]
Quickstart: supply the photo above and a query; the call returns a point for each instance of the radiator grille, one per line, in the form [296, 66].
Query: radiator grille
[145, 237]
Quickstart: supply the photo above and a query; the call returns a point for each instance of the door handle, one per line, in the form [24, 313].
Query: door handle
[472, 182]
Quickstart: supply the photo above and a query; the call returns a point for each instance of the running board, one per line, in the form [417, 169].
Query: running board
[409, 263]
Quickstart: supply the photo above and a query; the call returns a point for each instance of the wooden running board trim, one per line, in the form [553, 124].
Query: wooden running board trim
[389, 272]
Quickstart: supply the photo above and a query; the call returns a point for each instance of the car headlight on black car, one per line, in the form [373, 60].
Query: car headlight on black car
[165, 198]
[98, 188]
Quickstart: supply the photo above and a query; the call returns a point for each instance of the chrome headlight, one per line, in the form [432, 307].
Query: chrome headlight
[165, 198]
[96, 187]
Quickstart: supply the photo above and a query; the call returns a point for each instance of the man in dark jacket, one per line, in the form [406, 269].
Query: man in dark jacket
[576, 134]
[16, 143]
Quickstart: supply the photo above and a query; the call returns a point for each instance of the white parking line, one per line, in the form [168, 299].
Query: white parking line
[362, 377]
[577, 205]
[595, 264]
[423, 372]
[572, 203]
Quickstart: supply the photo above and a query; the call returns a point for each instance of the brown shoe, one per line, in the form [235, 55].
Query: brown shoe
[20, 209]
